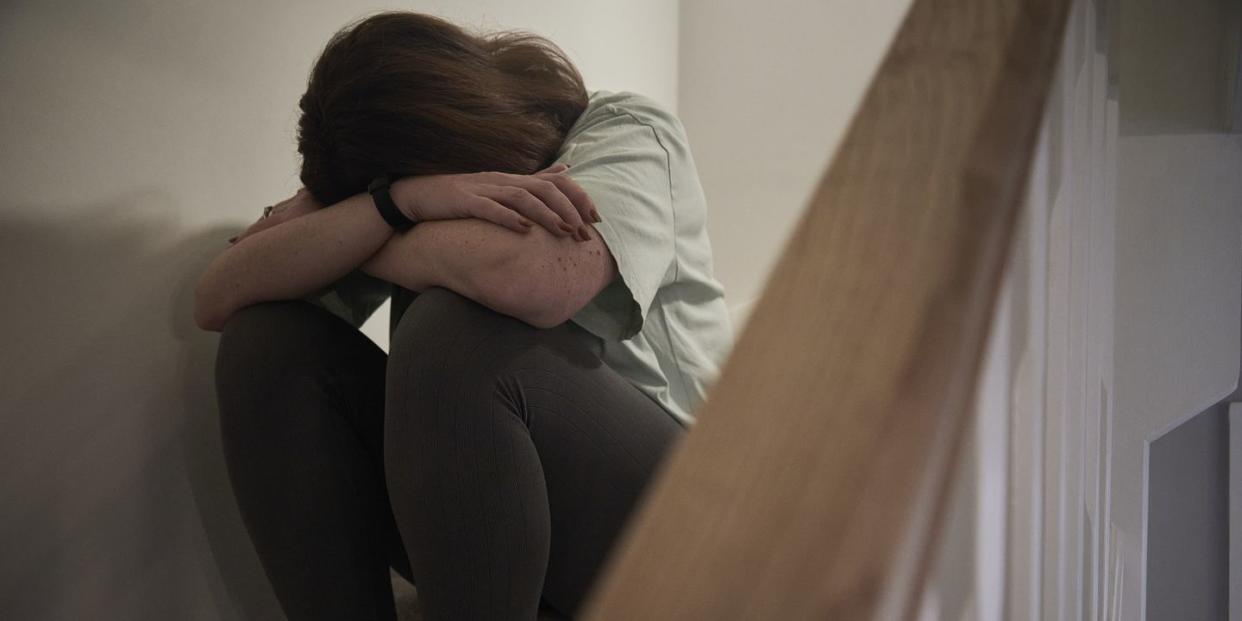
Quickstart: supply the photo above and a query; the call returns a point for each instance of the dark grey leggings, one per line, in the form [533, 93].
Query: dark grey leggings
[491, 463]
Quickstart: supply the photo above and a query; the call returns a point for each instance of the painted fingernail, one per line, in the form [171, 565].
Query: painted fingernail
[568, 229]
[586, 232]
[594, 215]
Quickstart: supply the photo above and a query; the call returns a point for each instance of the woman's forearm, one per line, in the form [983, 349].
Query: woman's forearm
[537, 277]
[290, 260]
[436, 254]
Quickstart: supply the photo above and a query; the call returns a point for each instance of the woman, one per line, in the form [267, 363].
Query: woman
[555, 322]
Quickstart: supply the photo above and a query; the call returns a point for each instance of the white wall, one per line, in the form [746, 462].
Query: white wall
[1137, 325]
[766, 94]
[137, 136]
[1179, 254]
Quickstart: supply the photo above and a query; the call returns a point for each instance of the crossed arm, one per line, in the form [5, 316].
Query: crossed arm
[535, 276]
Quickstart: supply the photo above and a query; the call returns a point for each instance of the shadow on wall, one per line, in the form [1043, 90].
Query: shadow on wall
[117, 501]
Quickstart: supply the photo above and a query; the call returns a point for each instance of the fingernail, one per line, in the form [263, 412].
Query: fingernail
[568, 229]
[525, 222]
[586, 232]
[232, 239]
[595, 215]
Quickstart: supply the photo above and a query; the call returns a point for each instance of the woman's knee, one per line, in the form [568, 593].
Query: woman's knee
[437, 309]
[439, 324]
[265, 342]
[444, 335]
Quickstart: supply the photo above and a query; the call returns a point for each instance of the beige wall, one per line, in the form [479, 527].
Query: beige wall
[765, 97]
[137, 136]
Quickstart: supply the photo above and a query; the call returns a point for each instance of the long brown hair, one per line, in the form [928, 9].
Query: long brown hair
[412, 94]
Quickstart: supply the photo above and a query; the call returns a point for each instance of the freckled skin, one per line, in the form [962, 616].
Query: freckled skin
[475, 257]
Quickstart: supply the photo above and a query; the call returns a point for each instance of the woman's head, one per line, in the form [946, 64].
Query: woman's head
[412, 94]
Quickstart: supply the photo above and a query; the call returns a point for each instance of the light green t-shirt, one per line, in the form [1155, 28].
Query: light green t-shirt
[664, 322]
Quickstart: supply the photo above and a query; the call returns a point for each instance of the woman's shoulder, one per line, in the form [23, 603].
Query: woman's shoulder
[604, 106]
[620, 102]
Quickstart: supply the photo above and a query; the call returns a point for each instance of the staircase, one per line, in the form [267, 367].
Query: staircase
[814, 482]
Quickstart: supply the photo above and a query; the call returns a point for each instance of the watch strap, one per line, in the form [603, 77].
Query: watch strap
[380, 194]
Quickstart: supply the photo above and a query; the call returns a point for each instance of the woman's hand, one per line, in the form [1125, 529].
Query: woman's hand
[299, 204]
[548, 197]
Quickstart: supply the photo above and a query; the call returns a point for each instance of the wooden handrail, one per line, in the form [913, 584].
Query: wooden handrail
[811, 484]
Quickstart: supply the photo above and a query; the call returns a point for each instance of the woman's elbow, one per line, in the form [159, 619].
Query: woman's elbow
[207, 319]
[554, 302]
[531, 300]
[208, 312]
[210, 323]
[545, 316]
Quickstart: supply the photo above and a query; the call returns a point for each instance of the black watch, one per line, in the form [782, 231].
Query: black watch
[385, 205]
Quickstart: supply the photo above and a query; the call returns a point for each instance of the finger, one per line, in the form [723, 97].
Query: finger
[555, 168]
[251, 230]
[492, 211]
[526, 204]
[262, 223]
[556, 200]
[281, 204]
[574, 192]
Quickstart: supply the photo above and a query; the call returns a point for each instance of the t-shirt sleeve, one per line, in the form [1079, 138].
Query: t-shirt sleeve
[353, 298]
[623, 166]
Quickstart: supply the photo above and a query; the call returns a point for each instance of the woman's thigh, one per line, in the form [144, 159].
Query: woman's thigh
[296, 385]
[598, 439]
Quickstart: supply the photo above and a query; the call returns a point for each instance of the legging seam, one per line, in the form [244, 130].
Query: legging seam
[469, 356]
[437, 397]
[491, 427]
